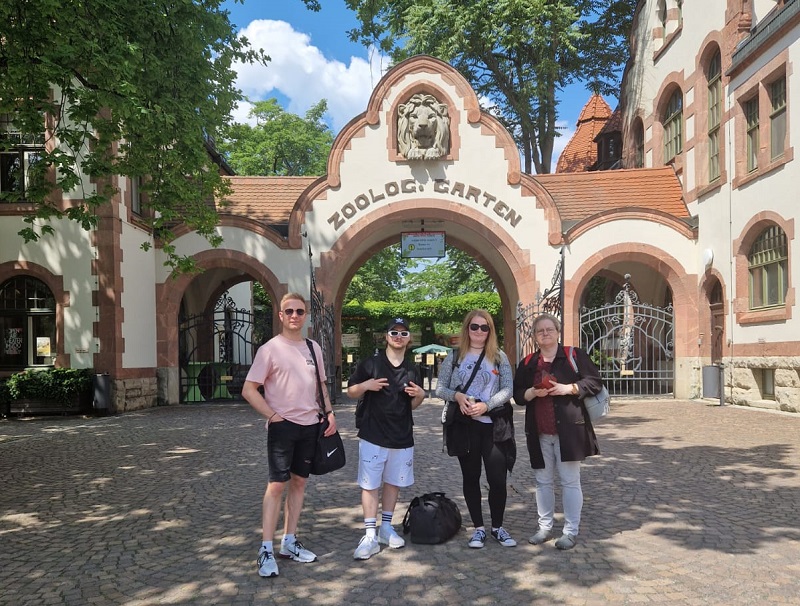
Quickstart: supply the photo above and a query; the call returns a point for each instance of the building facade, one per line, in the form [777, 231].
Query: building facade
[709, 91]
[423, 157]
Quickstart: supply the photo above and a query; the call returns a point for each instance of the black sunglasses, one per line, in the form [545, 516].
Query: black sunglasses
[290, 311]
[481, 327]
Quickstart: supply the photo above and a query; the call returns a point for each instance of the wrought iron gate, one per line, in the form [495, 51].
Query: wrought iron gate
[551, 301]
[632, 344]
[323, 331]
[216, 350]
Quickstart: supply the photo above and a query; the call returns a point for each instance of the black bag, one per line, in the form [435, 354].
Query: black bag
[329, 455]
[451, 411]
[431, 519]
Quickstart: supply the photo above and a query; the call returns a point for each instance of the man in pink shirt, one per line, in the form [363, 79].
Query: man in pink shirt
[285, 368]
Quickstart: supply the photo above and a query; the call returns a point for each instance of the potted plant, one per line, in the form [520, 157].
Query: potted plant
[50, 390]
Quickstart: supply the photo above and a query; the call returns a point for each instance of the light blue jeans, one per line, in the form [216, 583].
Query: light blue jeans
[569, 473]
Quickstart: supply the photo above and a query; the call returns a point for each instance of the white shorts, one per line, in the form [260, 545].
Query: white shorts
[377, 465]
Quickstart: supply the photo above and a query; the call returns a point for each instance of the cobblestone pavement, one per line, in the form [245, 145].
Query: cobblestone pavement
[690, 503]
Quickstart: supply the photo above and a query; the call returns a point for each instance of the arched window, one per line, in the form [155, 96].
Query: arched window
[27, 323]
[638, 144]
[673, 126]
[714, 79]
[767, 263]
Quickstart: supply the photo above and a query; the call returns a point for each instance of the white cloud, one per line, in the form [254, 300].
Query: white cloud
[301, 73]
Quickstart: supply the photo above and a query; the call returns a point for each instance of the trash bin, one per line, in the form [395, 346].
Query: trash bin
[711, 381]
[102, 392]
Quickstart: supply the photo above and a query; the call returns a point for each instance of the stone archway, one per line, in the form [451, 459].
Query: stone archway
[508, 265]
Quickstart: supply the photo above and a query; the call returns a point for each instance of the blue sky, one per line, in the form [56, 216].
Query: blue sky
[312, 59]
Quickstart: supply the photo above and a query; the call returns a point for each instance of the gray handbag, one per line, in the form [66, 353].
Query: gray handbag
[599, 404]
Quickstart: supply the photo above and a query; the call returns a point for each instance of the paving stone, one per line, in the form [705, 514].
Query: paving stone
[688, 504]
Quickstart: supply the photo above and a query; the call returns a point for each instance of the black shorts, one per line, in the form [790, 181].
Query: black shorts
[290, 448]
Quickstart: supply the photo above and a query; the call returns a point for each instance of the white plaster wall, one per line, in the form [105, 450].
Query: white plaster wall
[138, 299]
[653, 234]
[67, 252]
[289, 266]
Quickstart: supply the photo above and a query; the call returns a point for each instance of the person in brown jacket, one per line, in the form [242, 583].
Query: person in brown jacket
[557, 427]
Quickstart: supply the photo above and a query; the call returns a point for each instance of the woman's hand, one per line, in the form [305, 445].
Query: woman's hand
[477, 409]
[560, 389]
[532, 393]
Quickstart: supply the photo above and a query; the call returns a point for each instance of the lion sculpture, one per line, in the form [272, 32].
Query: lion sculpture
[423, 128]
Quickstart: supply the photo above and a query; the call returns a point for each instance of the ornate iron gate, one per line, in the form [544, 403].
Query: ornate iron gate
[632, 344]
[323, 332]
[551, 301]
[216, 350]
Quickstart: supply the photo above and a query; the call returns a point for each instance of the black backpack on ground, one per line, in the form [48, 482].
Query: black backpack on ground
[431, 519]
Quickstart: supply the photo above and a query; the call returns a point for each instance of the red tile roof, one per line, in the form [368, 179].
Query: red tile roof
[581, 195]
[269, 200]
[581, 151]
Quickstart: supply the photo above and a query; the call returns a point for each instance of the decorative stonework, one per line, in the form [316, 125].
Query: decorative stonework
[423, 128]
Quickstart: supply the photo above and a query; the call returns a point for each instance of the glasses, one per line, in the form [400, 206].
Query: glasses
[399, 333]
[290, 312]
[545, 331]
[481, 327]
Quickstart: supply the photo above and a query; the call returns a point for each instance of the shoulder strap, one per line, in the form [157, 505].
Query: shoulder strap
[571, 357]
[474, 372]
[320, 398]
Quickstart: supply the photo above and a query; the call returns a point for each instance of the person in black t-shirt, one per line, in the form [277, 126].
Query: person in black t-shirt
[391, 388]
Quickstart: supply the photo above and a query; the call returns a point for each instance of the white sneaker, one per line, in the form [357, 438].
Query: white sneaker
[388, 536]
[297, 552]
[478, 539]
[267, 566]
[366, 548]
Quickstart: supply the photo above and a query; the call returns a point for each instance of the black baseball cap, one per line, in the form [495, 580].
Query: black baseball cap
[398, 322]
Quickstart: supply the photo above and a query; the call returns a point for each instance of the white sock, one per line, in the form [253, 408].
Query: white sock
[288, 539]
[266, 546]
[369, 524]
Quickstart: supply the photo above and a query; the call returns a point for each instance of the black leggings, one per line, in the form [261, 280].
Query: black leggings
[482, 447]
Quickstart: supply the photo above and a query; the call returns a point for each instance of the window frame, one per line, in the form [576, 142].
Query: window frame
[778, 114]
[750, 107]
[767, 264]
[673, 126]
[20, 148]
[714, 87]
[17, 314]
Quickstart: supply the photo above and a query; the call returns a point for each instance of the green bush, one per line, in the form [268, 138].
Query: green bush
[60, 385]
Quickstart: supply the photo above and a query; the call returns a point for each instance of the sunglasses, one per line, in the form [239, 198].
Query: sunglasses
[291, 312]
[481, 327]
[399, 333]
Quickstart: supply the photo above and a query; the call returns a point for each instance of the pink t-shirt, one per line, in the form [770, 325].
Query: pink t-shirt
[286, 370]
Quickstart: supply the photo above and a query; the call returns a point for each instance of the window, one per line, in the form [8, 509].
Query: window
[714, 78]
[27, 323]
[673, 127]
[751, 117]
[662, 13]
[19, 153]
[777, 118]
[136, 195]
[638, 144]
[767, 263]
[766, 380]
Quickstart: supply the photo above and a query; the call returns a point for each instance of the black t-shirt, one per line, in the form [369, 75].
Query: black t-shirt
[387, 420]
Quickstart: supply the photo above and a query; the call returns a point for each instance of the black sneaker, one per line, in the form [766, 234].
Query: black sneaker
[502, 536]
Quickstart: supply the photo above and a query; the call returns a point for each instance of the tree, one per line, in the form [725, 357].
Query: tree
[518, 54]
[380, 278]
[140, 88]
[455, 274]
[280, 143]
